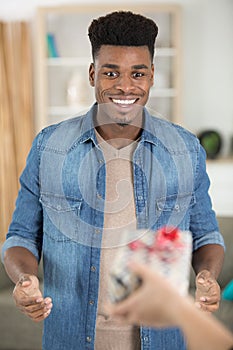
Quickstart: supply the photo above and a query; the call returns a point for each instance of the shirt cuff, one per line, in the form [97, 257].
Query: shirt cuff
[16, 241]
[208, 238]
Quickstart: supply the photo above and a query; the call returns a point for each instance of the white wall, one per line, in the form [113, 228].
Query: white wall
[208, 66]
[207, 57]
[220, 174]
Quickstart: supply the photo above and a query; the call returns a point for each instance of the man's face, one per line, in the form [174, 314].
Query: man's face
[122, 77]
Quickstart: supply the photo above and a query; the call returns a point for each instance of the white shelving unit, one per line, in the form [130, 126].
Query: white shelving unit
[69, 25]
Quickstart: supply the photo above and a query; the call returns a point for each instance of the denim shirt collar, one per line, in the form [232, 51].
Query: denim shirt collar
[88, 129]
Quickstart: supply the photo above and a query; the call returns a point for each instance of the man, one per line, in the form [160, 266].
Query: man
[90, 178]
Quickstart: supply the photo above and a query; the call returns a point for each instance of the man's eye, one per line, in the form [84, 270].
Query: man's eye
[138, 74]
[111, 74]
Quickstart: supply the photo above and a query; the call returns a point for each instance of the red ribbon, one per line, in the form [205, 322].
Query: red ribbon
[166, 238]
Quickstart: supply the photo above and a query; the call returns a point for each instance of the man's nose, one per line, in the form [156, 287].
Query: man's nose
[125, 83]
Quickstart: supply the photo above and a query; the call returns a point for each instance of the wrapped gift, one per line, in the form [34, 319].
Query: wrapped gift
[168, 251]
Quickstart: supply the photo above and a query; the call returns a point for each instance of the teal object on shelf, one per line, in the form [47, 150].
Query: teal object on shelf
[52, 45]
[227, 293]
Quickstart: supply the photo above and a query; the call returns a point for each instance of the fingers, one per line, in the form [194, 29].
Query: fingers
[120, 317]
[24, 280]
[37, 310]
[140, 270]
[208, 303]
[207, 308]
[121, 308]
[28, 298]
[123, 312]
[207, 292]
[211, 296]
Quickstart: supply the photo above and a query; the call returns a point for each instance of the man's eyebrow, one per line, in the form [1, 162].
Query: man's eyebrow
[140, 66]
[109, 65]
[115, 66]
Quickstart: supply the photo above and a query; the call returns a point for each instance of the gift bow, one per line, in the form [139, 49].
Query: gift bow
[166, 239]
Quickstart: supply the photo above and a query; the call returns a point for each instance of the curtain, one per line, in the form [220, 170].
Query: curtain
[16, 113]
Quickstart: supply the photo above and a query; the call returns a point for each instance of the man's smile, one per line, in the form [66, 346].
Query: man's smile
[124, 102]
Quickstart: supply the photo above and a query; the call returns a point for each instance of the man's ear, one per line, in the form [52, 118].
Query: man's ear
[92, 74]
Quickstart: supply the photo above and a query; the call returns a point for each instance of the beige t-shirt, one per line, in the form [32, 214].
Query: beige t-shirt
[119, 215]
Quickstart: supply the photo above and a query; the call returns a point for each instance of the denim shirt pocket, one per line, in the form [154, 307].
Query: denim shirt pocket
[61, 216]
[175, 209]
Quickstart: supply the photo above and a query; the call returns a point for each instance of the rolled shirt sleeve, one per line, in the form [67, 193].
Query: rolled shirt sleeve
[25, 229]
[203, 222]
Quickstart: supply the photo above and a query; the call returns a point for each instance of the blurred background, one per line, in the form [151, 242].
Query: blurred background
[44, 59]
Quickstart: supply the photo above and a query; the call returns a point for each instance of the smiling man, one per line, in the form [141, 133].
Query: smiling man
[122, 77]
[90, 178]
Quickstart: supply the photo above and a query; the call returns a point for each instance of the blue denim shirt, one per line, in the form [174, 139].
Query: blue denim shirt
[60, 211]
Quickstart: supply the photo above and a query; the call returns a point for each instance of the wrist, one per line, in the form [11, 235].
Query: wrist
[179, 310]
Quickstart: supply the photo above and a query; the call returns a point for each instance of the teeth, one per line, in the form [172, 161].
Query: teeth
[124, 102]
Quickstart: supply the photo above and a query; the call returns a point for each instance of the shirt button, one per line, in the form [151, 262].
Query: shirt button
[93, 268]
[140, 197]
[91, 302]
[101, 161]
[177, 207]
[88, 339]
[145, 339]
[99, 196]
[97, 231]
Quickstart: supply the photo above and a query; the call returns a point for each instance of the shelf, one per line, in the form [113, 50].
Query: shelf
[69, 26]
[220, 160]
[68, 61]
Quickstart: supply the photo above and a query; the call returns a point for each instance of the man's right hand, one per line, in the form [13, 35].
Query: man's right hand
[29, 300]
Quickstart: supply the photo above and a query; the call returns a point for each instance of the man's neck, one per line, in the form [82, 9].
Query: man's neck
[119, 135]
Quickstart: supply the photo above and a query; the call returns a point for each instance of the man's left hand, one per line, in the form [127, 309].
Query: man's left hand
[208, 293]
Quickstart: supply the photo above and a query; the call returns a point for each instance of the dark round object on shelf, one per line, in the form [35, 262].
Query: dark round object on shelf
[212, 142]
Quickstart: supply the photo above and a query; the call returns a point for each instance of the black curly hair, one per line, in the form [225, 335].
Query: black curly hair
[122, 28]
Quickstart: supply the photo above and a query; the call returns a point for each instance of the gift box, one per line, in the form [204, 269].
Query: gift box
[167, 251]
